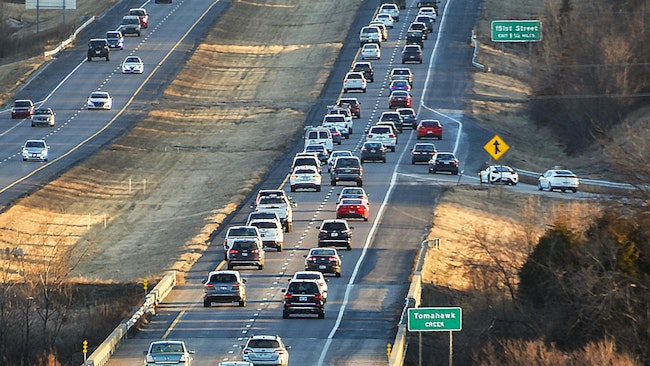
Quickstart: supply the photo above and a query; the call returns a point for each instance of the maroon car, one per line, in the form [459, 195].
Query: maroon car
[22, 108]
[399, 98]
[353, 104]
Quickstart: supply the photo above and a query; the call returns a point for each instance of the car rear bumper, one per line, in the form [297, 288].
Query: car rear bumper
[223, 298]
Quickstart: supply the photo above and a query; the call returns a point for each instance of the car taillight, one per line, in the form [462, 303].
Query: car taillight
[323, 231]
[370, 136]
[333, 259]
[318, 297]
[345, 81]
[279, 351]
[233, 251]
[311, 259]
[247, 351]
[288, 296]
[209, 286]
[391, 135]
[235, 285]
[183, 359]
[255, 251]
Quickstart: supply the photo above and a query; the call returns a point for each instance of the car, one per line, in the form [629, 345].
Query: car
[499, 174]
[263, 215]
[353, 208]
[224, 286]
[304, 297]
[347, 169]
[22, 108]
[132, 65]
[335, 233]
[373, 151]
[305, 177]
[266, 350]
[415, 37]
[319, 150]
[271, 231]
[142, 14]
[353, 104]
[390, 9]
[422, 152]
[240, 232]
[370, 50]
[353, 192]
[306, 160]
[411, 53]
[370, 34]
[246, 252]
[98, 47]
[100, 100]
[162, 1]
[401, 73]
[325, 260]
[337, 137]
[427, 20]
[168, 353]
[274, 192]
[338, 120]
[319, 135]
[280, 204]
[560, 179]
[385, 18]
[130, 25]
[384, 30]
[43, 117]
[315, 276]
[346, 112]
[392, 126]
[409, 117]
[443, 162]
[429, 3]
[335, 154]
[400, 98]
[354, 81]
[429, 11]
[429, 128]
[366, 68]
[392, 116]
[383, 134]
[399, 85]
[35, 150]
[419, 26]
[115, 39]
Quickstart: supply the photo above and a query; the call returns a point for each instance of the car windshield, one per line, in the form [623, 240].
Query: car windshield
[99, 95]
[263, 343]
[35, 144]
[242, 231]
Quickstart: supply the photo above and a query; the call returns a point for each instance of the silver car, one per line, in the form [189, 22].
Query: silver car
[35, 150]
[168, 353]
[266, 350]
[43, 117]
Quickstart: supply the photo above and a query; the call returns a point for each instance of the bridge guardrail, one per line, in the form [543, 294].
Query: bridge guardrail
[69, 40]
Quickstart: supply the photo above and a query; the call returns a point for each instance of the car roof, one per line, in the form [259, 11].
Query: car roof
[225, 271]
[267, 337]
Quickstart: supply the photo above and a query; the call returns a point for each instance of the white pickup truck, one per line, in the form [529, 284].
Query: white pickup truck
[279, 204]
[240, 232]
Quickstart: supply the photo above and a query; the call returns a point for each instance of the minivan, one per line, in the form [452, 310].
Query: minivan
[319, 135]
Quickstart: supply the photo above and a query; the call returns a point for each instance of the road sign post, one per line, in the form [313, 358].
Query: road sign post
[516, 31]
[437, 319]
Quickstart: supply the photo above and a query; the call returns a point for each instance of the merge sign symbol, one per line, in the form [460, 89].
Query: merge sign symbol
[496, 147]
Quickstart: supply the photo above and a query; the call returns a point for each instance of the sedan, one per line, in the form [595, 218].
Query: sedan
[563, 180]
[100, 100]
[312, 275]
[22, 108]
[385, 18]
[326, 260]
[43, 117]
[400, 98]
[422, 152]
[319, 150]
[353, 208]
[444, 162]
[305, 177]
[399, 85]
[373, 151]
[370, 50]
[35, 150]
[168, 353]
[421, 27]
[499, 174]
[132, 65]
[429, 128]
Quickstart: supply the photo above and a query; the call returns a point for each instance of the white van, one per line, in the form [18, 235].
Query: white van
[319, 135]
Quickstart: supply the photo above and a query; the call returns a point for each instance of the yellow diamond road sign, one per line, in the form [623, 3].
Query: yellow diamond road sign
[496, 147]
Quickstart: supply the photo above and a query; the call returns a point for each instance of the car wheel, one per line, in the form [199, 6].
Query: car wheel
[138, 34]
[412, 162]
[339, 143]
[539, 186]
[108, 58]
[361, 161]
[260, 267]
[293, 189]
[242, 303]
[207, 303]
[364, 90]
[321, 315]
[279, 247]
[455, 173]
[563, 190]
[392, 148]
[333, 183]
[365, 219]
[360, 183]
[338, 274]
[349, 247]
[285, 315]
[290, 227]
[318, 189]
[574, 190]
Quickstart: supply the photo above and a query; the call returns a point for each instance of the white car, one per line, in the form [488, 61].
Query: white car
[313, 275]
[168, 353]
[271, 231]
[386, 19]
[43, 117]
[563, 180]
[353, 192]
[499, 174]
[383, 134]
[319, 135]
[370, 50]
[266, 350]
[132, 65]
[334, 156]
[100, 100]
[338, 120]
[390, 9]
[382, 27]
[321, 153]
[305, 176]
[354, 81]
[428, 11]
[35, 150]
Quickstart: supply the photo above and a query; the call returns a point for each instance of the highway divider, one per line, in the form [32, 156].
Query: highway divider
[69, 40]
[104, 351]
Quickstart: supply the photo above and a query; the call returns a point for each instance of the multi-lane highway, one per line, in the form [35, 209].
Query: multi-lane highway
[365, 303]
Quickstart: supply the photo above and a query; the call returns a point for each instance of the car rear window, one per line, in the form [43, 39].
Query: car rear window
[245, 244]
[242, 231]
[380, 130]
[430, 124]
[339, 226]
[445, 156]
[303, 288]
[265, 225]
[271, 200]
[223, 277]
[347, 163]
[305, 161]
[263, 343]
[424, 148]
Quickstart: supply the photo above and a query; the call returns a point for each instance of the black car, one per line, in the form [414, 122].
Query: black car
[419, 26]
[98, 47]
[324, 260]
[373, 151]
[224, 286]
[426, 20]
[336, 233]
[395, 117]
[303, 297]
[245, 252]
[415, 37]
[422, 152]
[366, 68]
[443, 162]
[347, 168]
[408, 117]
[412, 53]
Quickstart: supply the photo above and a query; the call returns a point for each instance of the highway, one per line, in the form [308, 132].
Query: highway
[363, 305]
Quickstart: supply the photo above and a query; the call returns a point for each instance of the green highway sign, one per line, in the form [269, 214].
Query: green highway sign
[435, 319]
[516, 31]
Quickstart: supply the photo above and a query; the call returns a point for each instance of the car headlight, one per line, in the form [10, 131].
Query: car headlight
[25, 151]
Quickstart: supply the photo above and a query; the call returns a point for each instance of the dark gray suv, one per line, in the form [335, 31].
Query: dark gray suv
[347, 169]
[224, 286]
[303, 297]
[98, 47]
[246, 252]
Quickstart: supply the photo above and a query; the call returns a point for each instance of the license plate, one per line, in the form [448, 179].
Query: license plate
[302, 298]
[322, 267]
[373, 150]
[97, 52]
[224, 287]
[429, 132]
[353, 211]
[244, 254]
[335, 234]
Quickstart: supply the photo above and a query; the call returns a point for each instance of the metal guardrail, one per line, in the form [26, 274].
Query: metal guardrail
[475, 54]
[105, 350]
[70, 39]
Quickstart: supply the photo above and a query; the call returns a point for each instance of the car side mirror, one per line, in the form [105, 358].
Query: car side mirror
[287, 347]
[252, 205]
[294, 204]
[203, 281]
[145, 352]
[191, 352]
[283, 290]
[351, 227]
[243, 280]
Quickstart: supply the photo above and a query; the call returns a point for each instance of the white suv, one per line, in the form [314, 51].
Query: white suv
[354, 81]
[383, 134]
[240, 232]
[390, 9]
[339, 121]
[266, 350]
[319, 135]
[271, 231]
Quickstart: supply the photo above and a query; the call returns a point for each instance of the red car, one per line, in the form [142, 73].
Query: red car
[142, 14]
[430, 128]
[353, 208]
[353, 104]
[400, 98]
[22, 108]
